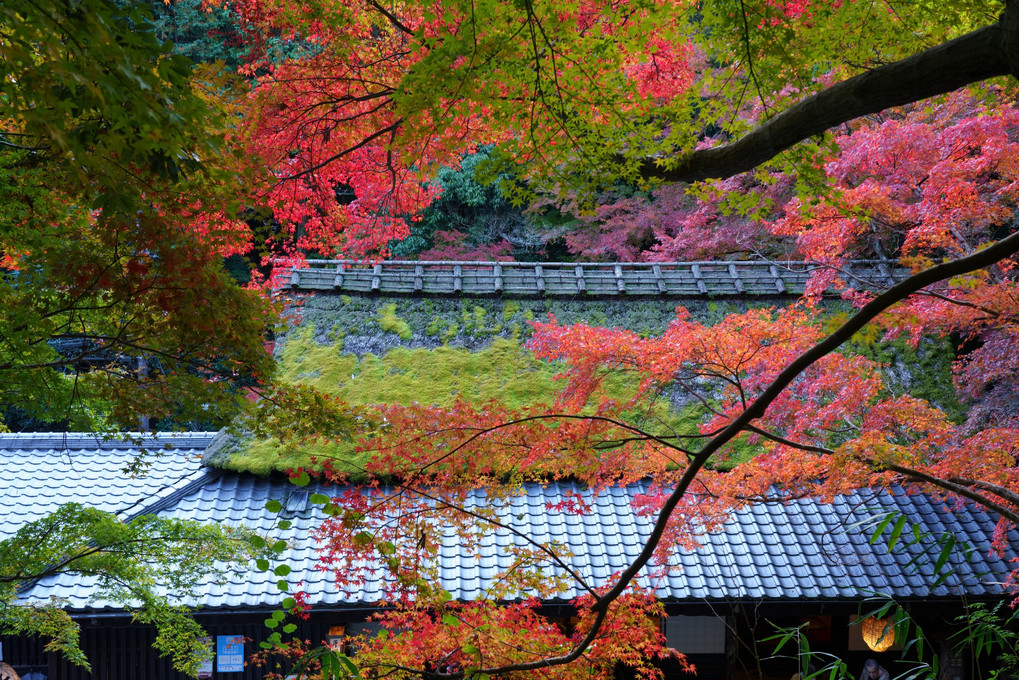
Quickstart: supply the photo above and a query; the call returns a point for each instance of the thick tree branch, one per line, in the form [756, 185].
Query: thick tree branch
[959, 489]
[1002, 492]
[397, 24]
[974, 57]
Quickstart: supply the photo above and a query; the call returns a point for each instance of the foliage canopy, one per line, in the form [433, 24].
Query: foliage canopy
[116, 156]
[580, 94]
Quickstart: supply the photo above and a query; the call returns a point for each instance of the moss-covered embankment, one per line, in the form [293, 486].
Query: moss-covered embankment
[371, 350]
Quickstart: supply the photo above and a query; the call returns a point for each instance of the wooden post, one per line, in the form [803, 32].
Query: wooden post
[886, 272]
[578, 272]
[620, 284]
[779, 283]
[699, 278]
[458, 283]
[338, 279]
[419, 278]
[295, 278]
[497, 273]
[377, 278]
[539, 279]
[657, 270]
[736, 280]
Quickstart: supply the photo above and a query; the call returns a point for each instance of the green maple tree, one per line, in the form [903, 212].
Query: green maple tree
[118, 198]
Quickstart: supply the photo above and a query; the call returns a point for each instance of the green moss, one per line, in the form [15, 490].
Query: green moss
[474, 322]
[503, 370]
[450, 332]
[265, 456]
[435, 327]
[929, 367]
[470, 323]
[482, 358]
[336, 335]
[304, 360]
[389, 321]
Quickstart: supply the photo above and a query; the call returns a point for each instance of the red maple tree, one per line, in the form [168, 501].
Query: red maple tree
[383, 93]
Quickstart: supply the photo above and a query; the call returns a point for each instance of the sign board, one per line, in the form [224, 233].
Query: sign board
[205, 669]
[230, 653]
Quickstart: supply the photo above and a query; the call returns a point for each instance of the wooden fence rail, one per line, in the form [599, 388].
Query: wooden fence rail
[578, 279]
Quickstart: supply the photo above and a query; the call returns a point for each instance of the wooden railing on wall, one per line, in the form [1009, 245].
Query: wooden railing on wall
[578, 279]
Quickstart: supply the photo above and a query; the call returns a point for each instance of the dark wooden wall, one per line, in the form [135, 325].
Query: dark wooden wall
[120, 650]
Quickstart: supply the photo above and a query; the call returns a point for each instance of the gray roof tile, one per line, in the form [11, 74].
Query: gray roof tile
[795, 551]
[40, 472]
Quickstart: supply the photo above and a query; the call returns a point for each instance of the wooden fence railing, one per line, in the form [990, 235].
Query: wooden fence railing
[578, 279]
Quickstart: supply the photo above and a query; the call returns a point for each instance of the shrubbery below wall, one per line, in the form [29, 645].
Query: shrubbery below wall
[432, 351]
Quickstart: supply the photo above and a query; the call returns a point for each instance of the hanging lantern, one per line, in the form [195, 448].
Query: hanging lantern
[879, 634]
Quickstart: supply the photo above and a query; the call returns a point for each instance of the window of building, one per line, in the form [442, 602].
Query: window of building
[696, 634]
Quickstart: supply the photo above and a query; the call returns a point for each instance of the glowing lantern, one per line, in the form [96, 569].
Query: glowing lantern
[335, 637]
[879, 634]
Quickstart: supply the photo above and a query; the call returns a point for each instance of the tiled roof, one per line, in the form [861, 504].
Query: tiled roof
[803, 550]
[39, 472]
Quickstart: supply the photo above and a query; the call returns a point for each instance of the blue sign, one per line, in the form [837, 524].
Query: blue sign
[230, 653]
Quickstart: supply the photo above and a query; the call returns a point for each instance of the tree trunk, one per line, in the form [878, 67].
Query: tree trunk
[985, 53]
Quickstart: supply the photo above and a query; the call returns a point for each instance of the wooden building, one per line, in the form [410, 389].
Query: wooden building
[801, 564]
